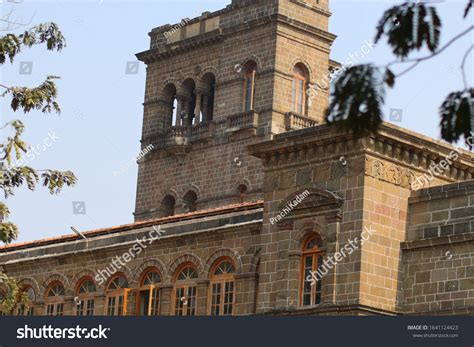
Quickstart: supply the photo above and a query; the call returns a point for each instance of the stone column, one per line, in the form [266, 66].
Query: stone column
[197, 110]
[179, 109]
[201, 300]
[166, 301]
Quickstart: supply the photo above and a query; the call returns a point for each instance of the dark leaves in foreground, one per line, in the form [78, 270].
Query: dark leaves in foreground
[408, 27]
[357, 99]
[457, 115]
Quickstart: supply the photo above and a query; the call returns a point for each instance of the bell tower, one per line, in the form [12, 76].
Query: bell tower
[218, 83]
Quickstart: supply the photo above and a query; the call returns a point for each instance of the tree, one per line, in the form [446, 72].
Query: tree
[12, 176]
[15, 295]
[358, 93]
[42, 98]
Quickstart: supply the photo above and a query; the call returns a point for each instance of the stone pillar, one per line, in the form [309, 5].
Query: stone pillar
[197, 110]
[201, 300]
[166, 301]
[179, 109]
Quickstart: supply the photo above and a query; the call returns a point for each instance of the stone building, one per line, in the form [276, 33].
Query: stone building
[249, 204]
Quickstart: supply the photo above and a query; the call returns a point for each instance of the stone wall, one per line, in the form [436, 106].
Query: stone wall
[438, 257]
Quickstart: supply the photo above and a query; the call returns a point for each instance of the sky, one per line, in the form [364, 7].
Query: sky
[98, 131]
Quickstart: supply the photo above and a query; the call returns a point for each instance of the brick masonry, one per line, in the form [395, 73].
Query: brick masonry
[353, 185]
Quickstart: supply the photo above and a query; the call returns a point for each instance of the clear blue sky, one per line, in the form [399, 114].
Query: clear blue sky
[100, 125]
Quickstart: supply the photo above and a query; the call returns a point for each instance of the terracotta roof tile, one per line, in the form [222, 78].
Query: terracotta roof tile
[136, 225]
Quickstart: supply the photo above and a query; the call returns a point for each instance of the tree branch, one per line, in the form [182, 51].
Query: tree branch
[464, 79]
[420, 59]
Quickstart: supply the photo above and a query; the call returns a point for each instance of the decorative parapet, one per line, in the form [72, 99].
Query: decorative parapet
[295, 121]
[240, 121]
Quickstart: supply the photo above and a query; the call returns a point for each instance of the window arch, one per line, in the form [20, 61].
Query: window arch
[185, 290]
[55, 299]
[312, 258]
[85, 293]
[149, 293]
[221, 296]
[116, 295]
[190, 201]
[300, 84]
[249, 85]
[28, 309]
[172, 103]
[168, 205]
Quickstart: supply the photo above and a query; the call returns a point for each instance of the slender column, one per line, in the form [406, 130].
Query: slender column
[197, 110]
[179, 108]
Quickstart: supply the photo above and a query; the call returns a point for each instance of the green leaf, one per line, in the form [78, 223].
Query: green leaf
[357, 99]
[456, 112]
[409, 27]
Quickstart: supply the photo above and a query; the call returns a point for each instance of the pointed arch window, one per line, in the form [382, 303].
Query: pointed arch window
[85, 293]
[116, 296]
[185, 291]
[55, 299]
[312, 258]
[222, 288]
[300, 82]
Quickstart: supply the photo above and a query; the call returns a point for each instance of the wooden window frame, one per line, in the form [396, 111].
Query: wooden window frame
[299, 77]
[221, 280]
[116, 294]
[186, 286]
[87, 304]
[54, 305]
[29, 309]
[315, 253]
[154, 294]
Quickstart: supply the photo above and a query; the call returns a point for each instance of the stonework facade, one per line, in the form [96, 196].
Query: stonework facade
[236, 143]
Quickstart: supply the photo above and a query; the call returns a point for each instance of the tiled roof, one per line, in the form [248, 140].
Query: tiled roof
[136, 225]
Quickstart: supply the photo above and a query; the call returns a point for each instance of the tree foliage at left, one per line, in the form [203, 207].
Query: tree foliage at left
[23, 99]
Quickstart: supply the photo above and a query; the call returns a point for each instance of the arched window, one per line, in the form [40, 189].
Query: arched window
[311, 260]
[172, 105]
[185, 291]
[85, 297]
[242, 192]
[116, 295]
[300, 82]
[167, 206]
[222, 288]
[28, 309]
[190, 201]
[55, 299]
[249, 86]
[207, 99]
[149, 295]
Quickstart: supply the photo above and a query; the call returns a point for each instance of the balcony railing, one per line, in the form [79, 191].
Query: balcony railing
[242, 121]
[294, 121]
[182, 135]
